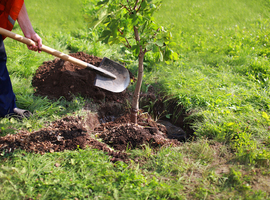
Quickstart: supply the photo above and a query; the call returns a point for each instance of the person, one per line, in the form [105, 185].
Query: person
[10, 11]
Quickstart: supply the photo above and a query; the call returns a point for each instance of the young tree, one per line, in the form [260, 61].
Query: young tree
[131, 23]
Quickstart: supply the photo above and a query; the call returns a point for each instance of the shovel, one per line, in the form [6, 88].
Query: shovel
[110, 75]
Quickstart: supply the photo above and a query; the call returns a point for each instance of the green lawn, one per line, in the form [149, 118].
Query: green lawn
[56, 16]
[223, 69]
[221, 77]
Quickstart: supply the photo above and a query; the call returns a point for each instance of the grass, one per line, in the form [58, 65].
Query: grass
[65, 17]
[172, 173]
[222, 76]
[223, 69]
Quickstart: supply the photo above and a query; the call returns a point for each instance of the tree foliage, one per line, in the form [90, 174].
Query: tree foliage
[131, 22]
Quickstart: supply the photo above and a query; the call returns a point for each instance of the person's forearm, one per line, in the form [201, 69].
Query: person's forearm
[28, 30]
[25, 23]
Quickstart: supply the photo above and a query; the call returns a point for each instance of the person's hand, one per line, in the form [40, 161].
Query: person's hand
[35, 37]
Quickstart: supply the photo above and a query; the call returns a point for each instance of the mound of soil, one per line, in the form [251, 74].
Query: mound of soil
[121, 134]
[69, 133]
[130, 136]
[59, 78]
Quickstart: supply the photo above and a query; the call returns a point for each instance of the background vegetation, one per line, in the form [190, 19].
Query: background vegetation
[221, 78]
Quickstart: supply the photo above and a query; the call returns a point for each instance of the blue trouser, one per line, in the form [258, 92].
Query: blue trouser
[7, 96]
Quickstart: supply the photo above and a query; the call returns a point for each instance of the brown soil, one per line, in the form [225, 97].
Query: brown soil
[121, 134]
[112, 124]
[71, 133]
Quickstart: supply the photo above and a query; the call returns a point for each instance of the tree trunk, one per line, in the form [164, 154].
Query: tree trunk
[136, 95]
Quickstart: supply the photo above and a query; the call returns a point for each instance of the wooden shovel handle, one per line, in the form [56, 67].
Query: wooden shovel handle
[43, 48]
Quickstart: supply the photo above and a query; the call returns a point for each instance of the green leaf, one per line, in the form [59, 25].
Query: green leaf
[143, 5]
[134, 19]
[168, 116]
[160, 56]
[135, 49]
[168, 54]
[106, 40]
[114, 32]
[105, 34]
[172, 44]
[159, 43]
[153, 6]
[153, 47]
[174, 56]
[101, 17]
[142, 28]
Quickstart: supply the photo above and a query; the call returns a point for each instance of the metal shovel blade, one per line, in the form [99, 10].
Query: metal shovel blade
[116, 85]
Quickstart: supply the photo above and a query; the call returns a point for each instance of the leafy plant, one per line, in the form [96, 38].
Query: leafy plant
[132, 23]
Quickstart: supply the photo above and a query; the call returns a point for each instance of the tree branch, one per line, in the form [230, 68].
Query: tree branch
[129, 10]
[139, 7]
[128, 45]
[145, 51]
[136, 33]
[129, 5]
[135, 4]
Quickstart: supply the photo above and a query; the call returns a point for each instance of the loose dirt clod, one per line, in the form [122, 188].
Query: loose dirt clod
[68, 133]
[131, 136]
[121, 134]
